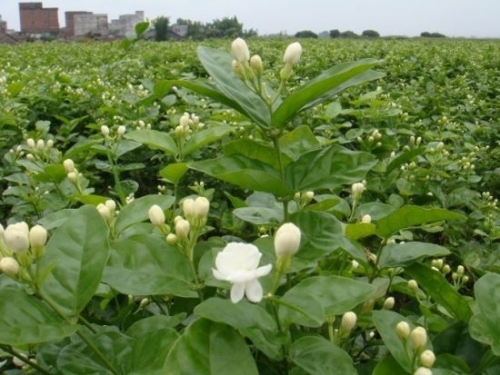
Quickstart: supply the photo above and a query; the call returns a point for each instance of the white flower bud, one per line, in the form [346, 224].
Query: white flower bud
[72, 176]
[188, 207]
[309, 195]
[182, 228]
[366, 219]
[184, 121]
[256, 64]
[465, 279]
[201, 207]
[292, 53]
[358, 188]
[171, 239]
[50, 143]
[287, 240]
[418, 337]
[389, 303]
[446, 269]
[422, 371]
[69, 166]
[156, 215]
[111, 205]
[9, 266]
[16, 237]
[460, 270]
[38, 236]
[413, 285]
[348, 322]
[403, 330]
[104, 212]
[40, 144]
[354, 264]
[427, 358]
[30, 142]
[30, 157]
[105, 130]
[121, 130]
[240, 50]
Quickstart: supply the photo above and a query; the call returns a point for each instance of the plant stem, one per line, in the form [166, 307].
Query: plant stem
[116, 178]
[98, 353]
[276, 144]
[35, 365]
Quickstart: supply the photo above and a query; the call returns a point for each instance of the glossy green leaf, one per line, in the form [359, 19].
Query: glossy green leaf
[356, 231]
[237, 315]
[405, 157]
[485, 326]
[243, 172]
[147, 265]
[154, 139]
[205, 137]
[389, 366]
[297, 142]
[78, 358]
[319, 296]
[149, 352]
[209, 348]
[328, 168]
[318, 356]
[405, 254]
[436, 286]
[154, 323]
[78, 251]
[174, 172]
[137, 210]
[256, 151]
[259, 215]
[323, 87]
[219, 65]
[386, 321]
[140, 28]
[410, 216]
[26, 320]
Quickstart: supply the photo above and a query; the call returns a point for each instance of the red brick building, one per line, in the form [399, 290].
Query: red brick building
[35, 19]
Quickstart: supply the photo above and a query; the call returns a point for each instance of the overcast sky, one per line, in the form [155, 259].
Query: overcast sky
[469, 18]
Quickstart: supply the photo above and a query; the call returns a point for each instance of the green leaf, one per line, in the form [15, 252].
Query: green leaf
[147, 265]
[485, 326]
[174, 172]
[256, 151]
[243, 172]
[78, 251]
[328, 168]
[319, 296]
[154, 139]
[208, 348]
[219, 65]
[26, 320]
[405, 157]
[260, 215]
[297, 142]
[405, 254]
[137, 210]
[436, 286]
[14, 89]
[149, 352]
[154, 323]
[322, 234]
[389, 366]
[323, 87]
[205, 137]
[386, 321]
[78, 358]
[140, 28]
[410, 216]
[359, 230]
[124, 146]
[318, 356]
[237, 315]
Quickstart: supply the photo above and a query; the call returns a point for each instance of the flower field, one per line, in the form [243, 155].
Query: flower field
[250, 207]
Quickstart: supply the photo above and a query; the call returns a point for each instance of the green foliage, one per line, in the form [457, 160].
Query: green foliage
[306, 34]
[370, 34]
[161, 27]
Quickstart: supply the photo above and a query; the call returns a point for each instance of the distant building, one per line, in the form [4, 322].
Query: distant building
[179, 30]
[125, 24]
[70, 22]
[90, 24]
[35, 19]
[3, 26]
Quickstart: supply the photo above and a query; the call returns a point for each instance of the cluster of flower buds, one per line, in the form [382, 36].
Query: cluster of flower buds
[244, 66]
[120, 131]
[19, 245]
[107, 210]
[141, 125]
[187, 124]
[303, 198]
[71, 172]
[196, 211]
[417, 338]
[440, 266]
[37, 147]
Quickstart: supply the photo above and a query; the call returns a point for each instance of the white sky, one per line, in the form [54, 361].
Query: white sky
[469, 18]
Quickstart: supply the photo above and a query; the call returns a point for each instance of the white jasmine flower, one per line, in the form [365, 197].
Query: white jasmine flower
[238, 263]
[240, 51]
[287, 240]
[292, 53]
[16, 237]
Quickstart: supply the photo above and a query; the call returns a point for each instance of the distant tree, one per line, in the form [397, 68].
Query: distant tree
[161, 28]
[370, 34]
[349, 34]
[196, 30]
[306, 34]
[334, 33]
[426, 34]
[225, 28]
[250, 33]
